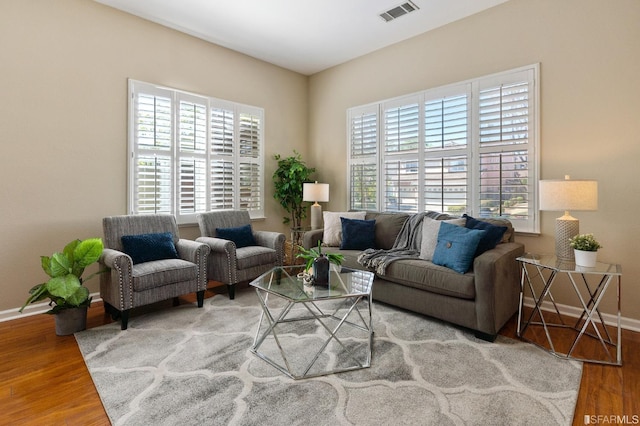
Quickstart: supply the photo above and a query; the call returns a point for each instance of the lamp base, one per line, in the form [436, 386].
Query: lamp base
[316, 216]
[567, 227]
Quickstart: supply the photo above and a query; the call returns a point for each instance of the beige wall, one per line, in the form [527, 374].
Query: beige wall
[64, 66]
[590, 106]
[63, 79]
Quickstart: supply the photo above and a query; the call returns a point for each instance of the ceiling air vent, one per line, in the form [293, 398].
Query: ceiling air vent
[398, 11]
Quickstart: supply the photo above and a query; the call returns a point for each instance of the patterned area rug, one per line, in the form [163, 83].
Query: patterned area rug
[192, 366]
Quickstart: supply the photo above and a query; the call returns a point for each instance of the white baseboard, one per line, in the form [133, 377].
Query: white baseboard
[572, 311]
[34, 309]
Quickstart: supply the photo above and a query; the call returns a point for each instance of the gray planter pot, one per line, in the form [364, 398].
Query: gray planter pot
[68, 321]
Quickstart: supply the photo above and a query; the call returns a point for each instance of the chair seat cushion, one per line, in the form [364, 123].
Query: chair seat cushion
[158, 273]
[248, 257]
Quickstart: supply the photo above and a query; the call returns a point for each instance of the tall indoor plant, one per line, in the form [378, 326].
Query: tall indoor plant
[288, 178]
[68, 297]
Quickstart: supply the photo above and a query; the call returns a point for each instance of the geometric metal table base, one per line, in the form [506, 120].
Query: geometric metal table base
[544, 269]
[345, 338]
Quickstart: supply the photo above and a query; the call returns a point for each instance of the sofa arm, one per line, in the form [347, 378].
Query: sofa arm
[497, 285]
[218, 245]
[273, 240]
[269, 239]
[116, 283]
[193, 251]
[310, 238]
[222, 261]
[197, 253]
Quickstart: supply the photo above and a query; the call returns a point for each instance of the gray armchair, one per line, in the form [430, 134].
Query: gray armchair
[230, 264]
[140, 271]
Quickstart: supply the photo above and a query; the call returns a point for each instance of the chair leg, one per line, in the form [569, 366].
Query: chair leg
[200, 297]
[124, 318]
[232, 291]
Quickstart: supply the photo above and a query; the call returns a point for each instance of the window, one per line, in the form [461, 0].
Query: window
[469, 147]
[191, 154]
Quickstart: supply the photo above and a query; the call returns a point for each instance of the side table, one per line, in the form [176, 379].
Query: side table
[590, 286]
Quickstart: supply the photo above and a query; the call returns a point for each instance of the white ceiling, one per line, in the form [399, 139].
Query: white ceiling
[306, 36]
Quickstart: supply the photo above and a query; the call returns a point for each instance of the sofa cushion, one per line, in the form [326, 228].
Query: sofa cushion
[388, 226]
[424, 275]
[332, 234]
[457, 246]
[149, 247]
[430, 230]
[357, 234]
[242, 236]
[492, 237]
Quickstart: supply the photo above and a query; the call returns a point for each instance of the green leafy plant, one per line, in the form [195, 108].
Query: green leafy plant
[288, 178]
[585, 242]
[313, 253]
[65, 270]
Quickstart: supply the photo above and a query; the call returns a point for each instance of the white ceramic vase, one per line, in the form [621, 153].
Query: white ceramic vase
[585, 258]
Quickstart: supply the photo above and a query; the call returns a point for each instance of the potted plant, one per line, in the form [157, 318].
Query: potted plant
[69, 299]
[288, 178]
[585, 248]
[320, 262]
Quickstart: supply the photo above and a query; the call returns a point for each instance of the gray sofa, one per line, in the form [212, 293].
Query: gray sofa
[482, 299]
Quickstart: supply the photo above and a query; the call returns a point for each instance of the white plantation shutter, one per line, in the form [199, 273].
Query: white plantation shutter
[191, 154]
[223, 173]
[506, 172]
[401, 185]
[151, 172]
[401, 126]
[446, 184]
[447, 122]
[447, 149]
[153, 184]
[401, 141]
[222, 178]
[504, 114]
[469, 147]
[250, 160]
[363, 158]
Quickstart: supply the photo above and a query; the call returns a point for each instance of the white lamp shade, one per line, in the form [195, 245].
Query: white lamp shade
[567, 194]
[315, 192]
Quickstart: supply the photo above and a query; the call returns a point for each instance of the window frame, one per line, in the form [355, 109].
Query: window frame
[251, 198]
[524, 222]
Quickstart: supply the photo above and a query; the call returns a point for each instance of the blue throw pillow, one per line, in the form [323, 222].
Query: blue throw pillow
[241, 235]
[147, 247]
[491, 239]
[357, 234]
[456, 247]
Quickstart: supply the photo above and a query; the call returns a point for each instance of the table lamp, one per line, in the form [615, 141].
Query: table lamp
[565, 195]
[315, 192]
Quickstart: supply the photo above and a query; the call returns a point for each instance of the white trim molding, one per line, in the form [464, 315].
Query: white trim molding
[575, 312]
[35, 309]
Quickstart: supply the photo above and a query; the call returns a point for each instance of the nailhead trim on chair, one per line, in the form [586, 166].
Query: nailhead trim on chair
[231, 268]
[121, 284]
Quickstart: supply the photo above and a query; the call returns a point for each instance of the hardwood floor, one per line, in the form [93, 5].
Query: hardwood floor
[44, 380]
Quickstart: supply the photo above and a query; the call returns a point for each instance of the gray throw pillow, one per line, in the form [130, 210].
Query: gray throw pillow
[430, 230]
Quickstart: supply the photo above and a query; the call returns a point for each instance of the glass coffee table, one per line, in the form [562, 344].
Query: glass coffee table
[309, 331]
